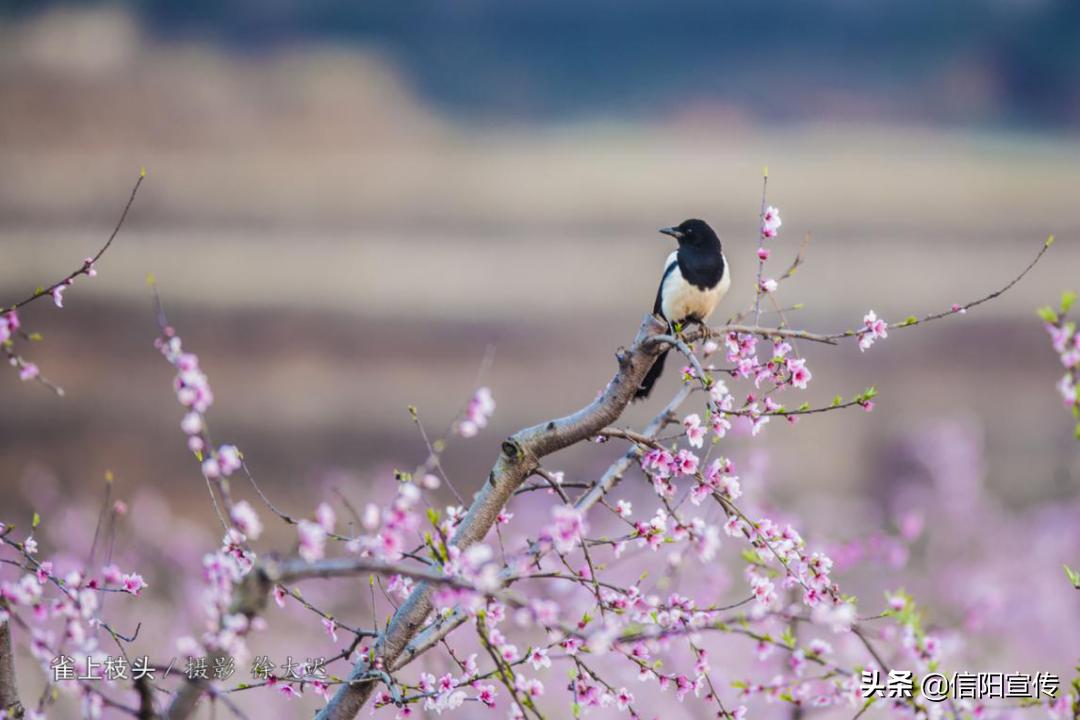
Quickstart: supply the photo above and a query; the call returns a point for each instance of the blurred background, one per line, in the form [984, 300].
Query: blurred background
[348, 206]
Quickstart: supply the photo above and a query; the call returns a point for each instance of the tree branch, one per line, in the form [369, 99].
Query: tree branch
[701, 333]
[84, 269]
[9, 691]
[519, 459]
[434, 633]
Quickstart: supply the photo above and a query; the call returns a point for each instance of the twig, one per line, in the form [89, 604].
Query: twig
[834, 338]
[84, 269]
[761, 244]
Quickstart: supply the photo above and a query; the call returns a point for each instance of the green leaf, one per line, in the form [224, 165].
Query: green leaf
[1049, 241]
[804, 407]
[909, 320]
[751, 556]
[788, 638]
[1047, 314]
[838, 400]
[1067, 299]
[1074, 576]
[36, 521]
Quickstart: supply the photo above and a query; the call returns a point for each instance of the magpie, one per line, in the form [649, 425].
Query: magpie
[696, 278]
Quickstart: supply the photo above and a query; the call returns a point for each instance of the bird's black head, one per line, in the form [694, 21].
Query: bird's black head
[693, 233]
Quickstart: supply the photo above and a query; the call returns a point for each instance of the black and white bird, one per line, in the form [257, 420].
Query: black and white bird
[695, 280]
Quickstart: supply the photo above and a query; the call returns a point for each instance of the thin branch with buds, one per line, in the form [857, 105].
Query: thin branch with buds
[86, 267]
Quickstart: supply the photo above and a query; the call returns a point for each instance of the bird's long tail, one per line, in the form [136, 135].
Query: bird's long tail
[651, 377]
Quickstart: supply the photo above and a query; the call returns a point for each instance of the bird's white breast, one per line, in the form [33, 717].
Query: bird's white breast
[681, 300]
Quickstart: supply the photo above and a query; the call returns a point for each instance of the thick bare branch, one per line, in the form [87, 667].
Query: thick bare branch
[519, 459]
[187, 697]
[434, 632]
[9, 691]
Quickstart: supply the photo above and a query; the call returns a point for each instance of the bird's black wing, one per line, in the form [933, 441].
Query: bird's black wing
[658, 306]
[658, 366]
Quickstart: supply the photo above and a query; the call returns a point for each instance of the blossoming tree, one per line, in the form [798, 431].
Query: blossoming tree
[589, 603]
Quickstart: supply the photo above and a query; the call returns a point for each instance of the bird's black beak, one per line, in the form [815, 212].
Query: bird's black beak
[672, 231]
